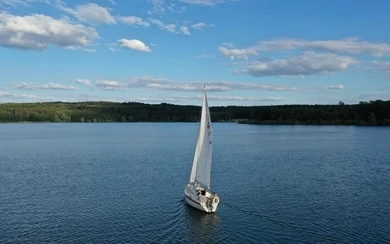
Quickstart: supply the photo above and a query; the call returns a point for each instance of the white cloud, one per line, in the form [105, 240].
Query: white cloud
[166, 84]
[170, 27]
[155, 83]
[237, 53]
[185, 87]
[198, 26]
[162, 6]
[24, 3]
[133, 20]
[156, 22]
[228, 44]
[15, 96]
[254, 86]
[83, 82]
[205, 56]
[37, 32]
[336, 87]
[113, 49]
[53, 86]
[112, 2]
[50, 86]
[90, 13]
[110, 85]
[185, 31]
[158, 7]
[70, 48]
[309, 63]
[347, 45]
[239, 98]
[210, 97]
[134, 45]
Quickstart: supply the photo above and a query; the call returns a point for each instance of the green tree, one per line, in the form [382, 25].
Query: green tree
[56, 119]
[372, 119]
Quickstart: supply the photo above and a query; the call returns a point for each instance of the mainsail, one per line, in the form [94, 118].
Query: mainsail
[201, 167]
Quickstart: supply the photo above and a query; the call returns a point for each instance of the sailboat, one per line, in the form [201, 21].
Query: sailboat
[197, 192]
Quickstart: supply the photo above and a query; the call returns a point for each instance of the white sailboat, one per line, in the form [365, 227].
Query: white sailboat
[197, 192]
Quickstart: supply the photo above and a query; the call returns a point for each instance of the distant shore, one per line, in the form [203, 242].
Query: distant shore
[372, 113]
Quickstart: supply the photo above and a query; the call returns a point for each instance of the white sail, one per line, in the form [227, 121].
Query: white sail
[201, 167]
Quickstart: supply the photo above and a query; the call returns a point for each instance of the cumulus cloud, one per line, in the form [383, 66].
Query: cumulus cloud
[90, 13]
[37, 32]
[169, 28]
[347, 45]
[309, 63]
[134, 21]
[134, 45]
[237, 53]
[50, 86]
[83, 82]
[336, 87]
[184, 30]
[14, 95]
[110, 85]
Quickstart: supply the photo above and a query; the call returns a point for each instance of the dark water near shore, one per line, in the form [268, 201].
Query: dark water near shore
[124, 182]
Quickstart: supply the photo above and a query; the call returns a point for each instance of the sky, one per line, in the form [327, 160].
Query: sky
[246, 52]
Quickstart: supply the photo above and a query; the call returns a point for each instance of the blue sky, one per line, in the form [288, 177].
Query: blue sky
[246, 52]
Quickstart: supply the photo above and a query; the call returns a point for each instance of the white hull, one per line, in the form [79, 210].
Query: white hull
[207, 202]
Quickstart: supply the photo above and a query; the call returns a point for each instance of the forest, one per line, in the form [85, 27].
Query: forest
[375, 113]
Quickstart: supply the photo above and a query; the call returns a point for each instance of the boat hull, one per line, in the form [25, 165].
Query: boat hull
[207, 203]
[195, 204]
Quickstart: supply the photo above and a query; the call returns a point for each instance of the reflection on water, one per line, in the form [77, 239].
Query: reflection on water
[203, 227]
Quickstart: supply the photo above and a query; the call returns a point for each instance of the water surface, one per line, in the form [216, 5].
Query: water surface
[124, 182]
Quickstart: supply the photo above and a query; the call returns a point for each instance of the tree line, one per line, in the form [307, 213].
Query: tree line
[365, 113]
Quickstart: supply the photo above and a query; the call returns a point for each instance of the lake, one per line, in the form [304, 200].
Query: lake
[124, 182]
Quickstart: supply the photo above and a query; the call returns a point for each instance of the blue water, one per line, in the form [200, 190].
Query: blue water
[124, 182]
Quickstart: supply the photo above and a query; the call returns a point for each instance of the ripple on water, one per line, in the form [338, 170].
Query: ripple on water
[109, 183]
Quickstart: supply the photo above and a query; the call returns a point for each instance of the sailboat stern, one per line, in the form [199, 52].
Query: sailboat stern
[212, 201]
